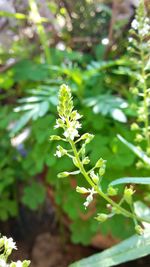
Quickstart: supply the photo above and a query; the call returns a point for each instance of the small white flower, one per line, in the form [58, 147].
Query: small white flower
[130, 39]
[3, 263]
[58, 154]
[9, 243]
[135, 24]
[145, 30]
[89, 198]
[19, 264]
[71, 133]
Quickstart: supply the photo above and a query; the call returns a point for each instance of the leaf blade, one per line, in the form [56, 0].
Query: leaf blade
[128, 250]
[135, 150]
[131, 180]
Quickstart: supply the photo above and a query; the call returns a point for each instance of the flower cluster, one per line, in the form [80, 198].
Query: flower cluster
[68, 117]
[6, 247]
[69, 121]
[140, 53]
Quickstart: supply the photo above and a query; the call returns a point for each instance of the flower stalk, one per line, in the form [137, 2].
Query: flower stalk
[69, 121]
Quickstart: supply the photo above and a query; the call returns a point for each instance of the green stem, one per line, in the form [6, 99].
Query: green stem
[37, 20]
[103, 195]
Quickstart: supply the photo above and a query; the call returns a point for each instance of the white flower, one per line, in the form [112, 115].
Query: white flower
[9, 244]
[145, 30]
[130, 39]
[71, 133]
[19, 264]
[89, 198]
[135, 24]
[58, 154]
[3, 263]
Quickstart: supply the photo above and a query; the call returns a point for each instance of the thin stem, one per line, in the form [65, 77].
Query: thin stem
[37, 20]
[96, 188]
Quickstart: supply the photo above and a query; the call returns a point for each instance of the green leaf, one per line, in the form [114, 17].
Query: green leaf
[27, 70]
[108, 105]
[131, 180]
[135, 150]
[142, 211]
[34, 195]
[132, 248]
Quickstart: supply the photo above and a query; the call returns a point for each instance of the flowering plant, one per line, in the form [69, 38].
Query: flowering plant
[6, 247]
[69, 121]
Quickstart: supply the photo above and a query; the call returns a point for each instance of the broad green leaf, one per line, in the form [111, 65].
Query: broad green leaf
[131, 180]
[132, 248]
[135, 150]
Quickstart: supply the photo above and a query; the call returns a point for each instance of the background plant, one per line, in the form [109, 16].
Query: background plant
[30, 86]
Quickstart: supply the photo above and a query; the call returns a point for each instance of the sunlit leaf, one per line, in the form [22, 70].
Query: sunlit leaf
[135, 150]
[108, 105]
[131, 180]
[132, 248]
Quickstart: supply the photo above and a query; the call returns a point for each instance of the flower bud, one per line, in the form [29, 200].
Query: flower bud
[134, 127]
[138, 138]
[55, 138]
[139, 165]
[100, 163]
[102, 171]
[60, 151]
[111, 191]
[139, 230]
[128, 192]
[94, 177]
[81, 190]
[101, 217]
[86, 160]
[87, 136]
[63, 174]
[134, 90]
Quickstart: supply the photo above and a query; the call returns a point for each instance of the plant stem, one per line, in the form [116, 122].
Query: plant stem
[96, 188]
[37, 20]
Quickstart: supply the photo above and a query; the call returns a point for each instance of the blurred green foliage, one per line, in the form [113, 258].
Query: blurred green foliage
[29, 88]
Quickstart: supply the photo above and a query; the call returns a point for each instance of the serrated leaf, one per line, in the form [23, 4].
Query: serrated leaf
[108, 105]
[34, 195]
[132, 248]
[135, 150]
[131, 180]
